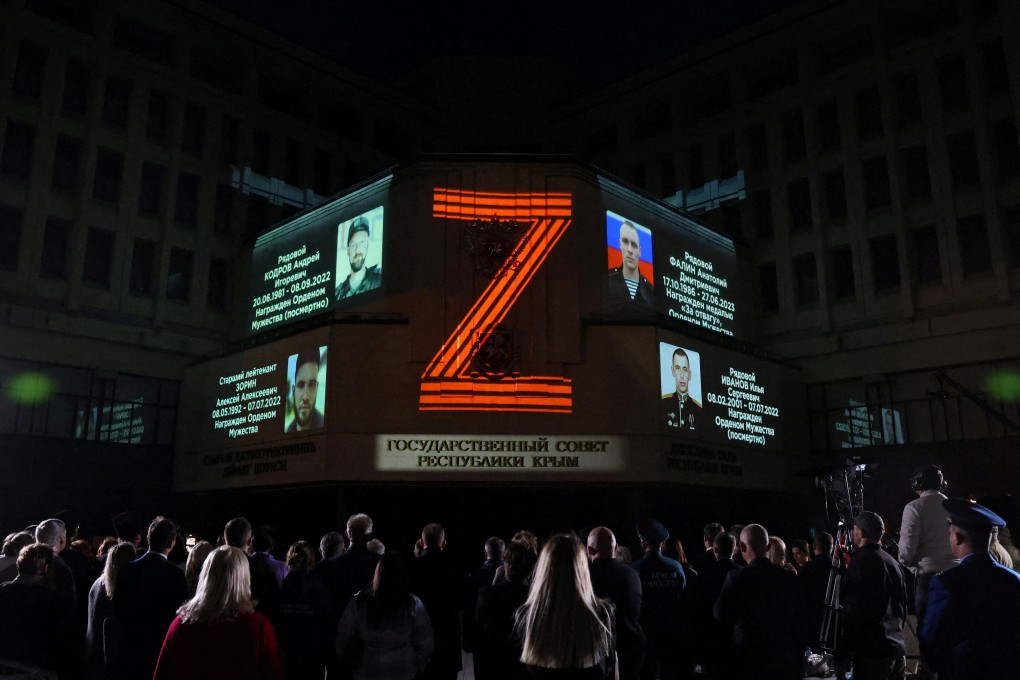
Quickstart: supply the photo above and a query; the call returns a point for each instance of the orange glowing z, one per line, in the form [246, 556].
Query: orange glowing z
[448, 384]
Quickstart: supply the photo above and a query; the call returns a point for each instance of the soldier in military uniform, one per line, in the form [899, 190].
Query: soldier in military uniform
[680, 409]
[626, 284]
[662, 605]
[361, 278]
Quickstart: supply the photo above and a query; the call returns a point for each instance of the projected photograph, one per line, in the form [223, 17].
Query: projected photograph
[306, 378]
[359, 246]
[680, 378]
[892, 430]
[631, 270]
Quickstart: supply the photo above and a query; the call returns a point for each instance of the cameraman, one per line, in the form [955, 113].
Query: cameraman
[923, 546]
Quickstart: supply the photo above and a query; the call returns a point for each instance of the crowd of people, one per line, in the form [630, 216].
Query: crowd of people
[740, 606]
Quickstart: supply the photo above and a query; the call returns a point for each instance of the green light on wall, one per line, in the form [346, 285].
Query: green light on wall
[31, 388]
[1005, 385]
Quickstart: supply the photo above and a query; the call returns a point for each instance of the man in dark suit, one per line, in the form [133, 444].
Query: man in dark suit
[265, 589]
[614, 580]
[497, 654]
[476, 580]
[149, 591]
[814, 580]
[714, 636]
[971, 628]
[437, 582]
[763, 604]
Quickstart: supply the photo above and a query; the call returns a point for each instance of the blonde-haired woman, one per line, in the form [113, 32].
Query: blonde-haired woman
[217, 633]
[193, 567]
[563, 628]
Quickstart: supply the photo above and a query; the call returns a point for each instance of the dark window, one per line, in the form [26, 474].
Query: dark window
[321, 182]
[828, 126]
[757, 146]
[868, 105]
[10, 236]
[763, 214]
[708, 97]
[841, 272]
[1004, 141]
[98, 257]
[143, 265]
[952, 74]
[29, 71]
[66, 163]
[109, 166]
[908, 100]
[876, 183]
[229, 133]
[260, 144]
[178, 278]
[885, 263]
[216, 295]
[224, 209]
[151, 192]
[285, 94]
[835, 194]
[914, 165]
[924, 246]
[117, 102]
[256, 219]
[695, 166]
[667, 175]
[963, 159]
[157, 124]
[19, 143]
[731, 220]
[805, 273]
[292, 163]
[768, 284]
[772, 75]
[193, 132]
[727, 156]
[145, 41]
[799, 204]
[56, 240]
[793, 135]
[216, 69]
[975, 249]
[77, 78]
[845, 50]
[186, 204]
[1010, 220]
[993, 65]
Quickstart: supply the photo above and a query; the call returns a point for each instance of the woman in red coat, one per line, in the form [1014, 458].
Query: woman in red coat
[218, 634]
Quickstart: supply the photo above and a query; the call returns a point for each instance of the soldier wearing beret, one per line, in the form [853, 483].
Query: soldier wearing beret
[972, 629]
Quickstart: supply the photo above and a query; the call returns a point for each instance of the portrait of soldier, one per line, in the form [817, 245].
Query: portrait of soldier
[362, 278]
[626, 283]
[305, 391]
[679, 408]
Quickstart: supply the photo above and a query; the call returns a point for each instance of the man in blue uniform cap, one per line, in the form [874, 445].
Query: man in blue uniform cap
[662, 603]
[971, 629]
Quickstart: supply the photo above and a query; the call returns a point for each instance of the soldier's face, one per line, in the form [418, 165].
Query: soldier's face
[306, 388]
[357, 249]
[681, 373]
[630, 248]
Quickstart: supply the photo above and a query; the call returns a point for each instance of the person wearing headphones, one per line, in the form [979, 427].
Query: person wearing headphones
[923, 547]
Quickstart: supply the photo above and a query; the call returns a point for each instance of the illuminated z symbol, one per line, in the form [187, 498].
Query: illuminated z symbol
[447, 384]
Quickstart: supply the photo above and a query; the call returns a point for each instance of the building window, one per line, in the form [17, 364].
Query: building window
[868, 105]
[193, 131]
[885, 263]
[994, 68]
[229, 133]
[876, 183]
[952, 74]
[109, 167]
[186, 205]
[321, 179]
[178, 278]
[224, 209]
[29, 71]
[260, 145]
[117, 102]
[77, 77]
[805, 273]
[151, 191]
[66, 164]
[731, 220]
[19, 143]
[963, 159]
[757, 147]
[216, 295]
[914, 166]
[10, 236]
[56, 239]
[143, 264]
[768, 284]
[292, 163]
[799, 204]
[924, 246]
[828, 127]
[841, 272]
[975, 249]
[1004, 141]
[793, 135]
[256, 219]
[835, 195]
[695, 166]
[158, 121]
[763, 214]
[908, 100]
[667, 175]
[727, 156]
[98, 257]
